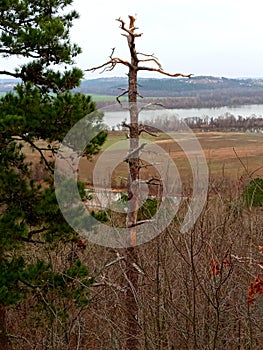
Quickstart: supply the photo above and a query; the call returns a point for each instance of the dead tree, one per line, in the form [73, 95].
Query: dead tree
[135, 65]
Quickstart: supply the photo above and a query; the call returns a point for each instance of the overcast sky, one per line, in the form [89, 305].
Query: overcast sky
[203, 37]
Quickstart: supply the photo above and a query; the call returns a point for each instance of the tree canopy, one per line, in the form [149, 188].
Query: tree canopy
[38, 31]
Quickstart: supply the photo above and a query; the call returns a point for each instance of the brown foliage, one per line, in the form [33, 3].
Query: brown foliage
[192, 289]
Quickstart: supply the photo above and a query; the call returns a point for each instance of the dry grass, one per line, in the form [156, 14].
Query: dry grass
[228, 154]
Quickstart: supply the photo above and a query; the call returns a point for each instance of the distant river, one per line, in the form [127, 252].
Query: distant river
[112, 119]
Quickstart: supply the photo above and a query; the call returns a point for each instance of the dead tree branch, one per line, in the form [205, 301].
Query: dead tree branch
[120, 95]
[112, 52]
[125, 125]
[135, 152]
[153, 60]
[173, 75]
[147, 130]
[110, 65]
[131, 29]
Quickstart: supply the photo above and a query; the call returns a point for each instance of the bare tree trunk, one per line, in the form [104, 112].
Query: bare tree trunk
[131, 273]
[132, 341]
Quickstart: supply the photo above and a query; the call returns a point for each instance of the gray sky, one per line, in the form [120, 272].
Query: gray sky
[203, 37]
[208, 37]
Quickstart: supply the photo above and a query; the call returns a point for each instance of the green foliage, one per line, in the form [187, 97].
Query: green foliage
[124, 197]
[10, 293]
[73, 283]
[38, 114]
[39, 30]
[101, 215]
[31, 114]
[145, 212]
[253, 193]
[148, 209]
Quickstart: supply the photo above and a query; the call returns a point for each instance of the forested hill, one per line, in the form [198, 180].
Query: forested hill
[169, 87]
[199, 91]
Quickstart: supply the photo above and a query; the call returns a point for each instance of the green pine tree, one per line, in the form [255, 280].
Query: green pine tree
[37, 116]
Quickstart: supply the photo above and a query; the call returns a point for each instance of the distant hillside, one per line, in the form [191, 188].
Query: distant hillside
[199, 91]
[150, 87]
[7, 85]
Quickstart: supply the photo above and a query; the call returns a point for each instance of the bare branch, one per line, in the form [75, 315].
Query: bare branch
[244, 259]
[34, 232]
[115, 261]
[147, 132]
[20, 337]
[112, 52]
[241, 162]
[137, 224]
[125, 125]
[122, 25]
[150, 105]
[146, 129]
[110, 65]
[40, 151]
[153, 60]
[14, 75]
[174, 75]
[151, 130]
[151, 181]
[147, 55]
[136, 266]
[131, 30]
[109, 284]
[120, 95]
[134, 153]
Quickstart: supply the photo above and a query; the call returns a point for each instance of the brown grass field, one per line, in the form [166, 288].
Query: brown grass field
[229, 155]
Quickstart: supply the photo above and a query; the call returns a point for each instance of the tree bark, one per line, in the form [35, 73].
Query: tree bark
[132, 331]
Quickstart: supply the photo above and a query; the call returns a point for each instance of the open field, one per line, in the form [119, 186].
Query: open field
[103, 98]
[228, 155]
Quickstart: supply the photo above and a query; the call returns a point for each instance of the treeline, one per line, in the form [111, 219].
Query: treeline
[226, 122]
